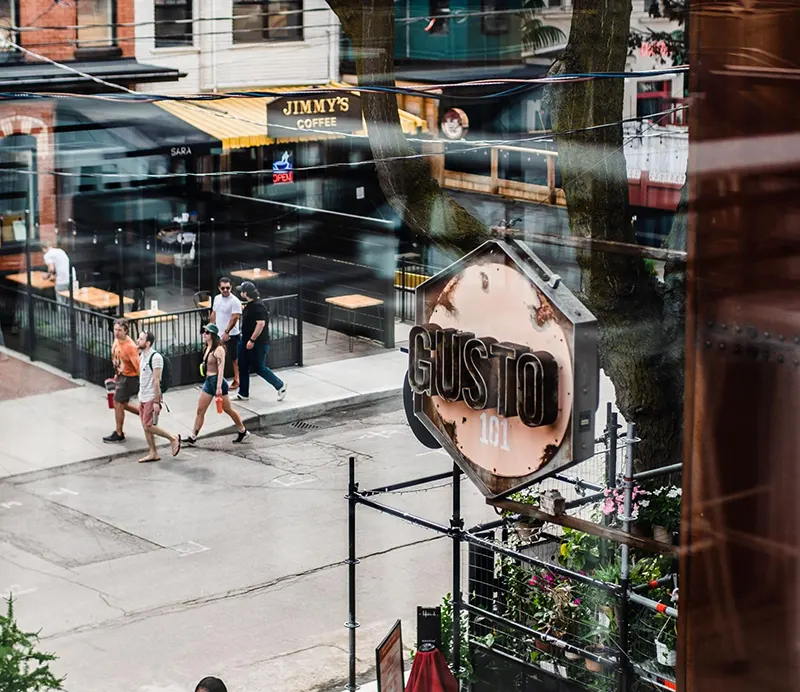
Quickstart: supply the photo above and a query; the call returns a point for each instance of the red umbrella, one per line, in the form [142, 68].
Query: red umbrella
[430, 673]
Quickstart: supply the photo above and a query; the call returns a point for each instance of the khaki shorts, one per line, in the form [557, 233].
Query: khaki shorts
[127, 388]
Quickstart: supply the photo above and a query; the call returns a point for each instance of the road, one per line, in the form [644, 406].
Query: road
[227, 561]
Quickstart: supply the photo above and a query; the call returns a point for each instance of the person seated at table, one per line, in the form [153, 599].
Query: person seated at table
[57, 263]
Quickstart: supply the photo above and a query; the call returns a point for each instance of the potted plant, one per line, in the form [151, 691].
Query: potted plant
[662, 509]
[525, 526]
[666, 640]
[556, 605]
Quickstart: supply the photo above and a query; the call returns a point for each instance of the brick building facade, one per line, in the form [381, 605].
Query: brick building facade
[90, 40]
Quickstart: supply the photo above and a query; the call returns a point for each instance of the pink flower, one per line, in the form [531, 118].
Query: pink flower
[577, 601]
[548, 578]
[609, 507]
[533, 582]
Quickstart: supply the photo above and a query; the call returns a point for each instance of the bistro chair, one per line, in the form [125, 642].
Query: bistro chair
[138, 298]
[201, 297]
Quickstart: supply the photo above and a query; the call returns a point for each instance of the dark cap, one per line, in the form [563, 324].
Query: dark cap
[249, 288]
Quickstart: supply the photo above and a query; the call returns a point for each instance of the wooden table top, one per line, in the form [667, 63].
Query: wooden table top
[96, 297]
[250, 274]
[37, 279]
[151, 316]
[353, 301]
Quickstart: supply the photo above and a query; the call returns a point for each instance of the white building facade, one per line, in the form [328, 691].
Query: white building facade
[225, 45]
[643, 95]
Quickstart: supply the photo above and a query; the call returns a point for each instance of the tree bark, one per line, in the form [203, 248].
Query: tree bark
[426, 209]
[622, 291]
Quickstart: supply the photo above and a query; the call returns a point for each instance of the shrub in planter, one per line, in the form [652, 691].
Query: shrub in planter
[662, 509]
[666, 640]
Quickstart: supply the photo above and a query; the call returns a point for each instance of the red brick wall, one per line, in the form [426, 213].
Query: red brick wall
[36, 118]
[59, 43]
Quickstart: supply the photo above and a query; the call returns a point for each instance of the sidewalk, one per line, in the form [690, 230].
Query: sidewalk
[65, 427]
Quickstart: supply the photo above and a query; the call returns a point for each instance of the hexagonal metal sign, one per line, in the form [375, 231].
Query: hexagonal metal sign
[503, 365]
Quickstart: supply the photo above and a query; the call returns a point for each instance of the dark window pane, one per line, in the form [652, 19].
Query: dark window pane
[173, 23]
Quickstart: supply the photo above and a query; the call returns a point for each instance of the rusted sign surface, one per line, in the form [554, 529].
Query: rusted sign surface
[504, 367]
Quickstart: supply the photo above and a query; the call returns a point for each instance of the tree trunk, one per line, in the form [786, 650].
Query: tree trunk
[424, 207]
[622, 291]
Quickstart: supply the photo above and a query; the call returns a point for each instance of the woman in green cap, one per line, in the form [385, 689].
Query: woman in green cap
[215, 386]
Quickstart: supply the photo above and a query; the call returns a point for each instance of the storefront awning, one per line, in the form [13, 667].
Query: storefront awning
[240, 123]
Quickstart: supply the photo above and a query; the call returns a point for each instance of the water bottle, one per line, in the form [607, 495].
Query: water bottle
[219, 404]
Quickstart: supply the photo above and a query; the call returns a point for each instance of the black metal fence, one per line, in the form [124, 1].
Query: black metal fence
[407, 277]
[79, 341]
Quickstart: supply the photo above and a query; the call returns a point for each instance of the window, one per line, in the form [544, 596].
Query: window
[17, 186]
[495, 17]
[173, 23]
[255, 21]
[96, 23]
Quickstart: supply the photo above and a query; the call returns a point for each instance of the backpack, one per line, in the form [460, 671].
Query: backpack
[166, 372]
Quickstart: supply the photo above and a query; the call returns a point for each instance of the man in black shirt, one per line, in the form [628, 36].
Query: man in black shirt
[254, 344]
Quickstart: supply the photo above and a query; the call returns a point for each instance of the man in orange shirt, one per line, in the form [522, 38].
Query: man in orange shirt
[125, 357]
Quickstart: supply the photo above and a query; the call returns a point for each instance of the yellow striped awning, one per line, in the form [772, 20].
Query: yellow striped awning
[240, 123]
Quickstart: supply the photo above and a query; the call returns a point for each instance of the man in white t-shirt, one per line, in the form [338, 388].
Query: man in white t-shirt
[226, 313]
[57, 263]
[151, 363]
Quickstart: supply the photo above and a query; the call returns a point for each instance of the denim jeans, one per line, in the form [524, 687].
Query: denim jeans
[255, 361]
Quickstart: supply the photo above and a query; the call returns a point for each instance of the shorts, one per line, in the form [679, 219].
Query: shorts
[127, 388]
[210, 386]
[232, 348]
[146, 409]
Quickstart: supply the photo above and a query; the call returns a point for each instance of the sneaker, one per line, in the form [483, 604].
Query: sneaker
[114, 437]
[282, 393]
[241, 437]
[191, 440]
[241, 397]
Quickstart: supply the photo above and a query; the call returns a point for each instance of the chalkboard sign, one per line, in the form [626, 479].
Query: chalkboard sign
[389, 659]
[429, 627]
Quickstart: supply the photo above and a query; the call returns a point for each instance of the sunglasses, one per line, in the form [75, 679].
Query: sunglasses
[224, 288]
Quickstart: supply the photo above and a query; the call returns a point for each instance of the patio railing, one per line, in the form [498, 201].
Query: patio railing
[407, 277]
[78, 341]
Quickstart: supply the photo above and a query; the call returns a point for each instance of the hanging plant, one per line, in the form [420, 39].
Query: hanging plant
[662, 508]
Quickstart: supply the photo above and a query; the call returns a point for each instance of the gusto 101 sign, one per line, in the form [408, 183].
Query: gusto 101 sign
[504, 367]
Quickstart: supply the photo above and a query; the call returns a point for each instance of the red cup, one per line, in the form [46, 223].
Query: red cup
[111, 386]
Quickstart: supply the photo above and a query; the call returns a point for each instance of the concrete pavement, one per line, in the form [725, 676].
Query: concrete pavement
[229, 560]
[67, 426]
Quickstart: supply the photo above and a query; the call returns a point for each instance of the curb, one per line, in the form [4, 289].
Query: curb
[257, 420]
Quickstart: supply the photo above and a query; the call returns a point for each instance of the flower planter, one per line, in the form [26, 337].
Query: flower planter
[662, 535]
[562, 671]
[593, 666]
[548, 666]
[571, 656]
[665, 656]
[543, 646]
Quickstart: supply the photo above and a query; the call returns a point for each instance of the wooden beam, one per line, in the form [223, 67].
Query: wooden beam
[582, 525]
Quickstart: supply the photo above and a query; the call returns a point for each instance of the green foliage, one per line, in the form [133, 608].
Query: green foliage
[535, 34]
[22, 667]
[579, 551]
[465, 672]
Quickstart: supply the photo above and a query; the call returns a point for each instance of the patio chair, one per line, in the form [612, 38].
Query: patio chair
[201, 297]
